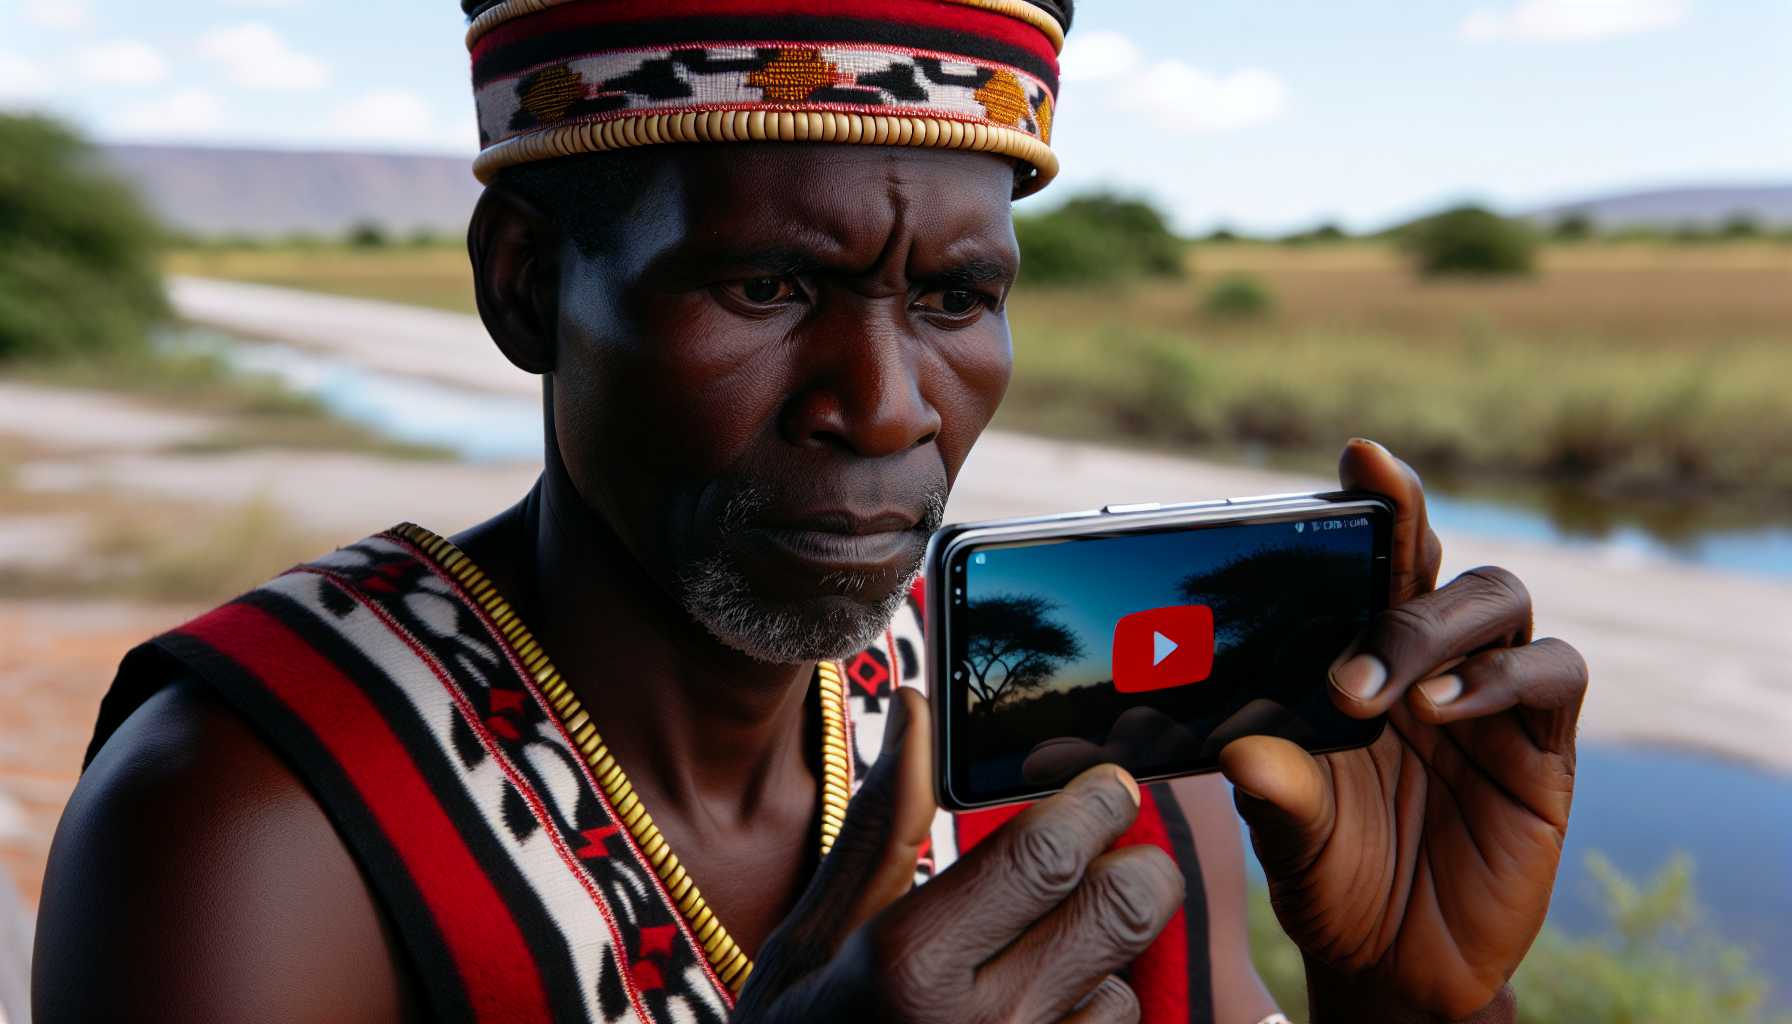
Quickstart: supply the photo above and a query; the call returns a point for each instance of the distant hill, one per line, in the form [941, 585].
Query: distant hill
[1705, 207]
[209, 191]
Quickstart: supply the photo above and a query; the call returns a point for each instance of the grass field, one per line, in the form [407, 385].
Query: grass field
[1639, 368]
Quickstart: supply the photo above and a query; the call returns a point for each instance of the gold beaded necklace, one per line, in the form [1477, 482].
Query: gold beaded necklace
[725, 956]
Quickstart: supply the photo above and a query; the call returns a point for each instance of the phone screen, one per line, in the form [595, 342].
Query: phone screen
[1153, 649]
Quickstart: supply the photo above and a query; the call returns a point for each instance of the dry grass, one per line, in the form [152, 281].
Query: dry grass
[1625, 294]
[1623, 368]
[437, 276]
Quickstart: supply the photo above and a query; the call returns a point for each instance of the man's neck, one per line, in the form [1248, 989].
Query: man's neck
[704, 731]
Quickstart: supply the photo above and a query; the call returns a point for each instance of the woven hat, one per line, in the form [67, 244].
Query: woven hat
[554, 78]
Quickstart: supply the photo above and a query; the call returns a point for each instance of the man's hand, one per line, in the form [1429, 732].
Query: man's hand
[1415, 873]
[1028, 926]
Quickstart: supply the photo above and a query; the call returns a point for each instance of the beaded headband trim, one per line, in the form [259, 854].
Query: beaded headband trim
[559, 77]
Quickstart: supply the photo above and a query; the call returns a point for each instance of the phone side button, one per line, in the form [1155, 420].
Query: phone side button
[1143, 506]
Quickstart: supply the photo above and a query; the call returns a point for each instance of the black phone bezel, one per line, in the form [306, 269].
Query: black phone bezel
[959, 541]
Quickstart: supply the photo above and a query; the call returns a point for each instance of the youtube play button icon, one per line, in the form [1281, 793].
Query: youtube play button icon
[1159, 648]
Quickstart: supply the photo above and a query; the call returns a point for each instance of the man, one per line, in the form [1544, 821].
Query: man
[759, 251]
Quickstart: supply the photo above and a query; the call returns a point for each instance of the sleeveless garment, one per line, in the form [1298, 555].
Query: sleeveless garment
[514, 880]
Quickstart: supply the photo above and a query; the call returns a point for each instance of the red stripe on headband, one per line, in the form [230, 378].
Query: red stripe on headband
[949, 16]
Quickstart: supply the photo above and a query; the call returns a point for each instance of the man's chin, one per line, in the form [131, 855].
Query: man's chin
[843, 614]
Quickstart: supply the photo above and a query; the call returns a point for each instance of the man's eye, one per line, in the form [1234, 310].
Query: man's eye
[957, 303]
[764, 291]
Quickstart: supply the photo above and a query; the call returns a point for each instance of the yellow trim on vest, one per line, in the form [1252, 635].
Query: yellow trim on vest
[726, 958]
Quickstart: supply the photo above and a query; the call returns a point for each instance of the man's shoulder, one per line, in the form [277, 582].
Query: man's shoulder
[190, 851]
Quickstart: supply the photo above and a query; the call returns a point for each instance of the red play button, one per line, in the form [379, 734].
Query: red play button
[1163, 647]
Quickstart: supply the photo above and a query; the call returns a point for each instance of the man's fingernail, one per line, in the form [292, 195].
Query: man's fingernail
[1131, 784]
[1361, 677]
[1442, 689]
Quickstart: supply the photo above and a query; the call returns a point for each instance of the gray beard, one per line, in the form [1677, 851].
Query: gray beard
[718, 595]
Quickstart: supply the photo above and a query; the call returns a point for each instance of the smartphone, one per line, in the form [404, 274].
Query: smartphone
[1145, 635]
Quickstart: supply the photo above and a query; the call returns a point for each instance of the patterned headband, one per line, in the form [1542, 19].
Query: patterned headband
[557, 77]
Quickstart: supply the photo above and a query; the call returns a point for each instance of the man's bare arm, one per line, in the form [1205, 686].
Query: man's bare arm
[193, 877]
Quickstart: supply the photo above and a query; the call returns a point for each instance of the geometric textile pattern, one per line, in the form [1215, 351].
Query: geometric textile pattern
[767, 76]
[553, 78]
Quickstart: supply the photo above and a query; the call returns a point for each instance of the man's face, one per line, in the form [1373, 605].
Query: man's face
[768, 385]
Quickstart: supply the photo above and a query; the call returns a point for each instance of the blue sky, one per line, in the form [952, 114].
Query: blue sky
[1265, 116]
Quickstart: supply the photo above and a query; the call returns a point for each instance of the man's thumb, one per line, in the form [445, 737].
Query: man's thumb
[1283, 795]
[872, 862]
[888, 822]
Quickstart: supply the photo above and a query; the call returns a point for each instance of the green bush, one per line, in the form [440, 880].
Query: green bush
[1239, 297]
[1327, 232]
[77, 252]
[368, 235]
[1574, 226]
[1098, 238]
[1470, 241]
[1740, 224]
[1653, 962]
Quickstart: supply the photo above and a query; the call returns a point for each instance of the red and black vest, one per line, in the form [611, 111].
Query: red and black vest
[406, 694]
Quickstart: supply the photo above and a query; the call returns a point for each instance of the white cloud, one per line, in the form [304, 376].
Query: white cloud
[1556, 20]
[121, 62]
[1114, 73]
[67, 15]
[391, 114]
[186, 114]
[398, 117]
[1097, 56]
[257, 57]
[21, 79]
[1187, 99]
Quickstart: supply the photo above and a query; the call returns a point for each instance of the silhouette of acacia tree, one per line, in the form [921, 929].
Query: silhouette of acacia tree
[1015, 646]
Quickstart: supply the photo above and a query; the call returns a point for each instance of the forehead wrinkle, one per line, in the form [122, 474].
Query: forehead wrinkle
[867, 212]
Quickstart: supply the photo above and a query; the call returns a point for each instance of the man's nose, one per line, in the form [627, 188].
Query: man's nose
[864, 388]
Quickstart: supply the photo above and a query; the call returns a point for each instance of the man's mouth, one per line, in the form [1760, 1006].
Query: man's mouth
[842, 541]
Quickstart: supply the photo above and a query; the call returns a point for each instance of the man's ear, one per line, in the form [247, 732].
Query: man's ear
[516, 277]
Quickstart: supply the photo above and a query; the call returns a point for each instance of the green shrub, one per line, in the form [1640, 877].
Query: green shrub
[1239, 297]
[1326, 232]
[368, 235]
[1575, 226]
[1740, 224]
[77, 252]
[1098, 238]
[1470, 241]
[1654, 961]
